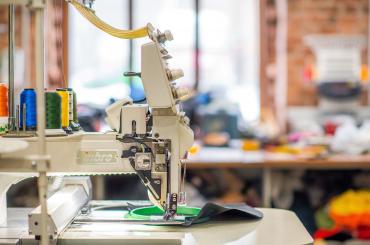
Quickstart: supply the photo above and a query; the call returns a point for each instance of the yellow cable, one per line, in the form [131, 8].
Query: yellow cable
[125, 34]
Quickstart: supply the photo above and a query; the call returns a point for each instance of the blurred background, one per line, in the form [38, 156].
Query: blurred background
[280, 109]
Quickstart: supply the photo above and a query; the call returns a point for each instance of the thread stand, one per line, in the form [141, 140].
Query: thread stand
[18, 133]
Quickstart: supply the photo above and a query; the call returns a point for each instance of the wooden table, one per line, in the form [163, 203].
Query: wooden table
[226, 158]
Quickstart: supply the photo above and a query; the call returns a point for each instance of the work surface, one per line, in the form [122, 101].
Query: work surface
[223, 157]
[277, 227]
[236, 158]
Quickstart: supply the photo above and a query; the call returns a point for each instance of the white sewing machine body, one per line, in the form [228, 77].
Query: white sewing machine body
[99, 153]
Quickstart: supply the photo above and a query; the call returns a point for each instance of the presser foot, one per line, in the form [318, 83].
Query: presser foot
[168, 216]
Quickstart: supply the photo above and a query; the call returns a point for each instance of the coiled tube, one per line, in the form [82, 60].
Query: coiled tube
[96, 21]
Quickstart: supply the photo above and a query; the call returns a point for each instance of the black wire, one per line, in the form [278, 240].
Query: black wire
[139, 101]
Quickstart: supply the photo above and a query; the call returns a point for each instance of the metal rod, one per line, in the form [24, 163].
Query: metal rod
[265, 100]
[24, 118]
[281, 64]
[131, 42]
[42, 180]
[197, 44]
[11, 41]
[42, 187]
[15, 2]
[18, 121]
[368, 52]
[266, 185]
[39, 55]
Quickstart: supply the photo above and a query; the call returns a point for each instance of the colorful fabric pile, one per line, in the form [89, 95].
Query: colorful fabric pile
[349, 214]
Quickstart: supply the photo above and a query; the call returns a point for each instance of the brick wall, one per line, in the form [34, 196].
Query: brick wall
[4, 27]
[54, 43]
[317, 17]
[19, 35]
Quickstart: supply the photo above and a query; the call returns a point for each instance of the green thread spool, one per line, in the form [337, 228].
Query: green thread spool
[75, 116]
[53, 108]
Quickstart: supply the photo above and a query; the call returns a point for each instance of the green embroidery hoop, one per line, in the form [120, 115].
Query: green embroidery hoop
[148, 213]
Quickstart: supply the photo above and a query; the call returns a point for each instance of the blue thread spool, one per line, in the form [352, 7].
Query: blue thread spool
[28, 98]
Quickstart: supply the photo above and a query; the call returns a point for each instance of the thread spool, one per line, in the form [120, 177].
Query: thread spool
[53, 109]
[75, 115]
[3, 125]
[28, 106]
[4, 112]
[65, 107]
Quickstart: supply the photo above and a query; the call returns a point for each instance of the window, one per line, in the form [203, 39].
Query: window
[97, 60]
[227, 38]
[229, 52]
[174, 15]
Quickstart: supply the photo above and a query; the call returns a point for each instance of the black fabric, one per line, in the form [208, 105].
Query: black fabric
[212, 211]
[339, 90]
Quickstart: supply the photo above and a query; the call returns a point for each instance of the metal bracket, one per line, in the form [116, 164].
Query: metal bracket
[132, 74]
[36, 4]
[153, 185]
[63, 206]
[40, 163]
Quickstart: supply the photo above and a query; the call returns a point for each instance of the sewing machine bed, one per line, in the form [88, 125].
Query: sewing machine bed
[108, 227]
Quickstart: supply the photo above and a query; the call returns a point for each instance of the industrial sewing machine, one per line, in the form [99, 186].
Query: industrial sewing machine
[146, 139]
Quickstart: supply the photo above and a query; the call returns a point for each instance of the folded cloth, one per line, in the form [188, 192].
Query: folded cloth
[212, 211]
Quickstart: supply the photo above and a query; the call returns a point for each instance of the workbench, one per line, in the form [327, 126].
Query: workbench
[277, 227]
[236, 158]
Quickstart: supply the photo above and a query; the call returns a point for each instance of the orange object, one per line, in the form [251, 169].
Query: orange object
[364, 74]
[314, 150]
[251, 145]
[285, 149]
[216, 139]
[3, 100]
[194, 149]
[351, 221]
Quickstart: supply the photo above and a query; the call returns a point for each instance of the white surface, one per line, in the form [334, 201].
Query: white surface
[157, 87]
[133, 113]
[6, 181]
[233, 155]
[114, 113]
[277, 227]
[12, 145]
[55, 132]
